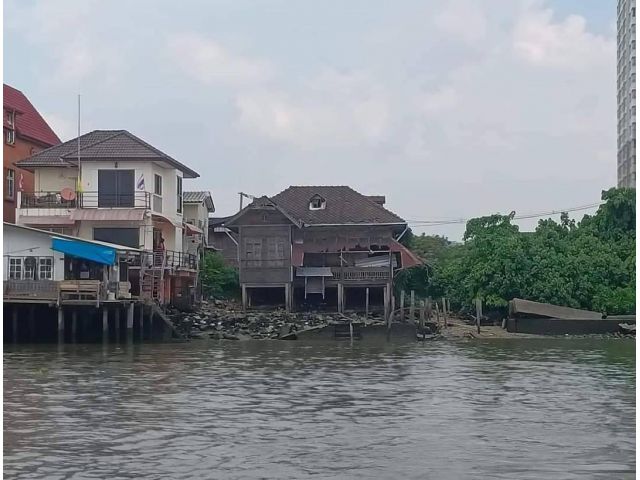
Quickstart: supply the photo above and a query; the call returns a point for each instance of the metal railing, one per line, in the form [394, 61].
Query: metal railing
[169, 259]
[45, 200]
[114, 200]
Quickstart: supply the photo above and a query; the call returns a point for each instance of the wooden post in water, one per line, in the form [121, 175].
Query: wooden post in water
[74, 325]
[437, 313]
[445, 312]
[14, 323]
[60, 325]
[412, 306]
[478, 313]
[393, 305]
[423, 312]
[402, 305]
[366, 302]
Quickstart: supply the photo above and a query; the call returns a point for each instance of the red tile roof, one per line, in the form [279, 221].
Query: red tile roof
[29, 123]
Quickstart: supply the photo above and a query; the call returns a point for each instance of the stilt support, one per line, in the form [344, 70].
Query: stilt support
[14, 324]
[60, 325]
[74, 325]
[105, 324]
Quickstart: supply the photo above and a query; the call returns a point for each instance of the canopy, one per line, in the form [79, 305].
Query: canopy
[89, 251]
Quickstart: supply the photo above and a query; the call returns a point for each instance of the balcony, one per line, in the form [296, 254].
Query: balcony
[361, 274]
[135, 199]
[171, 259]
[46, 200]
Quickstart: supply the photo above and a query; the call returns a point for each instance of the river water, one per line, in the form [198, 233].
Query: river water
[499, 409]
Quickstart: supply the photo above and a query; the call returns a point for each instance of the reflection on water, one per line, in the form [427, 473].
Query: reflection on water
[538, 408]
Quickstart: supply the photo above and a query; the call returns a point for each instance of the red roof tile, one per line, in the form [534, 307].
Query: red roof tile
[29, 123]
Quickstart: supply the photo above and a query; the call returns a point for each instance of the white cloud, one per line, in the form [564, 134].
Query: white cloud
[333, 108]
[566, 44]
[464, 20]
[209, 62]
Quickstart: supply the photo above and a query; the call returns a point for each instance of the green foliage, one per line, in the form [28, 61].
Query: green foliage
[586, 265]
[218, 280]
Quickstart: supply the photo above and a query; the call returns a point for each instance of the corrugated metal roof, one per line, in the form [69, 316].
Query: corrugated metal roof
[314, 272]
[52, 220]
[197, 197]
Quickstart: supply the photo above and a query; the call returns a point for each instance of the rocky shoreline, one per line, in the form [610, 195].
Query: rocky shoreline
[220, 320]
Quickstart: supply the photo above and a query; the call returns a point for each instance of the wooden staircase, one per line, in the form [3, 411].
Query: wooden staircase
[152, 278]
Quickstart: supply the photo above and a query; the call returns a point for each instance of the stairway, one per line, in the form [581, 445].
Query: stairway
[152, 278]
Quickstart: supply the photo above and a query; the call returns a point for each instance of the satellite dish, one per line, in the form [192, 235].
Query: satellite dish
[68, 194]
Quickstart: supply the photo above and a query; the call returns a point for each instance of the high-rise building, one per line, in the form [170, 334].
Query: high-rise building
[626, 93]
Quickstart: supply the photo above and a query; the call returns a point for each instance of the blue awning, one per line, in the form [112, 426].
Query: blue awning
[86, 250]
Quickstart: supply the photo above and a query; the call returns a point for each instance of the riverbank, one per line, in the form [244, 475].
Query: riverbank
[222, 320]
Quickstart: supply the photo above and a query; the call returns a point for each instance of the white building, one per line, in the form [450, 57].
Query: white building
[111, 186]
[626, 93]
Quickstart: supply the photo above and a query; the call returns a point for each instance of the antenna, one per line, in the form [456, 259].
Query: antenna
[79, 186]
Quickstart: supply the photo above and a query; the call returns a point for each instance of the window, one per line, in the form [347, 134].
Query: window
[157, 188]
[122, 236]
[179, 194]
[275, 252]
[253, 252]
[11, 118]
[45, 268]
[317, 203]
[15, 268]
[10, 136]
[11, 183]
[116, 188]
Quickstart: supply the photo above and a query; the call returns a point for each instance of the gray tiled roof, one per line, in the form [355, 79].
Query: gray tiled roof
[197, 197]
[118, 145]
[343, 205]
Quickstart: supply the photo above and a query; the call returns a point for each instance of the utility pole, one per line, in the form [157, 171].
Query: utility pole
[245, 195]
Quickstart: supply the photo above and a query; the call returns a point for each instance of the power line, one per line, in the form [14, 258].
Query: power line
[452, 221]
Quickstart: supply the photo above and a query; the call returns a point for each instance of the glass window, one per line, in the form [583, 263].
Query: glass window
[15, 268]
[45, 271]
[11, 183]
[157, 189]
[10, 136]
[179, 194]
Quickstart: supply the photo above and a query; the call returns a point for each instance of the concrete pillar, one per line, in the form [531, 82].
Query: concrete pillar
[244, 297]
[412, 306]
[141, 322]
[386, 303]
[366, 302]
[14, 324]
[402, 305]
[60, 325]
[130, 322]
[287, 296]
[340, 298]
[32, 322]
[105, 324]
[117, 323]
[74, 325]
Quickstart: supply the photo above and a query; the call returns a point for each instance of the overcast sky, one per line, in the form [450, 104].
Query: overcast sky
[452, 109]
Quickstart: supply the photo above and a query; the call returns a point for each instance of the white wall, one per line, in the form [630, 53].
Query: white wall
[55, 179]
[24, 243]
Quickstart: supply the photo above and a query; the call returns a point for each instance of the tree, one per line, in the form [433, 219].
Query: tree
[218, 280]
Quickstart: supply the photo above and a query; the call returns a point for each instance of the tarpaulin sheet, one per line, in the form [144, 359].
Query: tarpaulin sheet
[88, 251]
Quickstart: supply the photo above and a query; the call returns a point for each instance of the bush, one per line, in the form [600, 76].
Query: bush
[218, 280]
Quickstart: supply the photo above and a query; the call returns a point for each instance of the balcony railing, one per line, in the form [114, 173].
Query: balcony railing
[169, 259]
[360, 274]
[135, 199]
[45, 200]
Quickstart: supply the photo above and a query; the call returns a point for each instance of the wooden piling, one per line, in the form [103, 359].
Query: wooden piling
[32, 322]
[117, 323]
[423, 312]
[412, 306]
[130, 322]
[74, 325]
[445, 312]
[14, 324]
[105, 324]
[478, 313]
[402, 305]
[141, 322]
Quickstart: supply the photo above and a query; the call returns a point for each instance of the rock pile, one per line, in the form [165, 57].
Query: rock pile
[226, 320]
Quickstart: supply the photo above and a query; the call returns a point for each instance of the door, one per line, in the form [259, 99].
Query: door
[116, 188]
